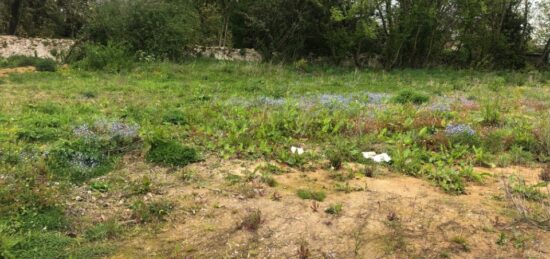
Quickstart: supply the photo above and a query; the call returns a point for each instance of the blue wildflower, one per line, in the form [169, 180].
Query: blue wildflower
[459, 129]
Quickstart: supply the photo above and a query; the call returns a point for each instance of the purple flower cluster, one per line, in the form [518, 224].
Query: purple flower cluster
[84, 161]
[459, 129]
[123, 130]
[111, 128]
[377, 98]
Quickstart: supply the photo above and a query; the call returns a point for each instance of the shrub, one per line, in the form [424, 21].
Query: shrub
[171, 153]
[41, 64]
[311, 195]
[411, 96]
[158, 28]
[112, 57]
[46, 65]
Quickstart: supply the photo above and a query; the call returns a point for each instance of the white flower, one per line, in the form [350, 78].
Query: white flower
[377, 158]
[369, 155]
[382, 158]
[296, 150]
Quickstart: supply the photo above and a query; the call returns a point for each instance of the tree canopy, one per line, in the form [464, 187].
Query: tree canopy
[391, 33]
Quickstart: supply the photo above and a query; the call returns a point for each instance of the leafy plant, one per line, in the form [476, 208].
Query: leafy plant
[311, 195]
[152, 211]
[171, 153]
[334, 209]
[410, 96]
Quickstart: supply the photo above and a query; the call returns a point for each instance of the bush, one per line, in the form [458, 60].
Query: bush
[46, 65]
[171, 153]
[411, 96]
[41, 64]
[158, 28]
[112, 57]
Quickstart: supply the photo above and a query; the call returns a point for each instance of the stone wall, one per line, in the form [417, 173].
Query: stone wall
[222, 53]
[34, 47]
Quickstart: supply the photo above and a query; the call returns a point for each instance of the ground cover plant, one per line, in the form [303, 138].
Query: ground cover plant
[91, 160]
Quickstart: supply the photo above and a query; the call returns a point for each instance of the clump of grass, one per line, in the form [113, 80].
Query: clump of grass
[490, 113]
[311, 195]
[345, 187]
[171, 153]
[411, 96]
[99, 186]
[175, 117]
[268, 179]
[252, 220]
[233, 179]
[528, 192]
[152, 211]
[141, 186]
[461, 242]
[108, 230]
[334, 209]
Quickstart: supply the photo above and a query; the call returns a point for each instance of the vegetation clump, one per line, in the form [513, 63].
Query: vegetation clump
[311, 195]
[171, 153]
[411, 96]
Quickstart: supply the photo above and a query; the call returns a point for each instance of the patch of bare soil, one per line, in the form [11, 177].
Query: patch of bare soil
[18, 70]
[389, 215]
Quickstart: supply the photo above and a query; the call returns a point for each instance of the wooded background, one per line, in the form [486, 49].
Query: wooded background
[394, 33]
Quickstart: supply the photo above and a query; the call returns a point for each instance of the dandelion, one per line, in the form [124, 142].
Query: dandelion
[297, 150]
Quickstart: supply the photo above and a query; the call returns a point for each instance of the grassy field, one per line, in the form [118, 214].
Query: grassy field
[194, 159]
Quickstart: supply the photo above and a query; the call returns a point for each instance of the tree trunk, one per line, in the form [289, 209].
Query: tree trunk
[15, 13]
[544, 60]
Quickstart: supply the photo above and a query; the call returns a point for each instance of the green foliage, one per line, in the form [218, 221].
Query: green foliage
[334, 209]
[79, 160]
[151, 211]
[307, 194]
[171, 153]
[112, 57]
[410, 96]
[42, 245]
[158, 28]
[41, 64]
[141, 186]
[490, 113]
[46, 65]
[108, 230]
[268, 179]
[528, 192]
